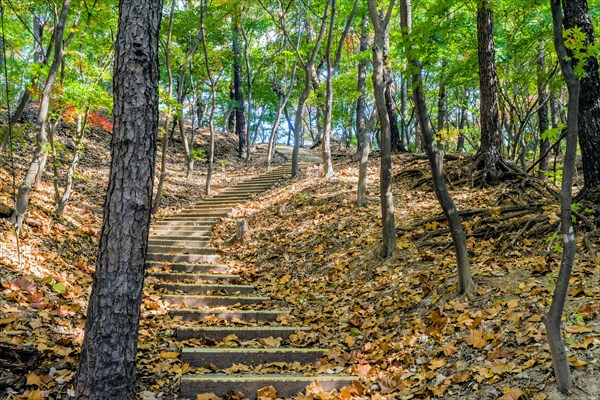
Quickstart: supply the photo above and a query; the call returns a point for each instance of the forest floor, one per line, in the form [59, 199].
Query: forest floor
[396, 323]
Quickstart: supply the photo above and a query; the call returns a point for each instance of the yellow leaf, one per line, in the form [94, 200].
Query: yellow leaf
[207, 396]
[512, 394]
[169, 354]
[34, 379]
[578, 329]
[267, 393]
[476, 339]
[437, 363]
[350, 341]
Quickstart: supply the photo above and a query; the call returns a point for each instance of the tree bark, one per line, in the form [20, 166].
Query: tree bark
[108, 355]
[552, 319]
[576, 13]
[385, 142]
[489, 156]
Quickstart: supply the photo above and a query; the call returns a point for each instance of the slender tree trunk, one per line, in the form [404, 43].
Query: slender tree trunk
[213, 99]
[489, 156]
[63, 199]
[361, 122]
[385, 142]
[576, 13]
[36, 168]
[283, 100]
[326, 147]
[552, 320]
[108, 355]
[463, 121]
[436, 161]
[542, 114]
[309, 70]
[165, 138]
[240, 121]
[291, 128]
[390, 98]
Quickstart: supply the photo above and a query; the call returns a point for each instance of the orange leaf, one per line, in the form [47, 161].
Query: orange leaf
[512, 394]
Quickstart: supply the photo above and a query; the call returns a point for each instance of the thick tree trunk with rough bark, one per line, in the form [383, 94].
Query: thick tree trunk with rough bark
[576, 13]
[108, 355]
[238, 91]
[490, 159]
[385, 142]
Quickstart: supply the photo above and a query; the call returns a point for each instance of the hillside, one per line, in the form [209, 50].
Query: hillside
[397, 323]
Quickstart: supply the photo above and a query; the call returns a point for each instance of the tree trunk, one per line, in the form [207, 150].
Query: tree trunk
[309, 70]
[489, 156]
[36, 168]
[385, 142]
[108, 355]
[165, 138]
[240, 120]
[577, 14]
[326, 145]
[213, 99]
[361, 122]
[463, 121]
[436, 161]
[390, 99]
[542, 114]
[552, 319]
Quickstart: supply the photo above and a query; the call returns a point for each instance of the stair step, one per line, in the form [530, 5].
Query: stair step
[179, 242]
[188, 258]
[182, 276]
[185, 222]
[182, 250]
[228, 315]
[189, 267]
[218, 333]
[287, 386]
[225, 357]
[180, 231]
[195, 249]
[199, 288]
[166, 237]
[196, 217]
[211, 301]
[208, 210]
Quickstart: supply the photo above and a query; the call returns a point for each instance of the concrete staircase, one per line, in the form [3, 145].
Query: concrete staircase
[213, 304]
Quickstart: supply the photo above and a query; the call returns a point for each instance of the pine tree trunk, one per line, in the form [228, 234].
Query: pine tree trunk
[489, 156]
[108, 355]
[576, 13]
